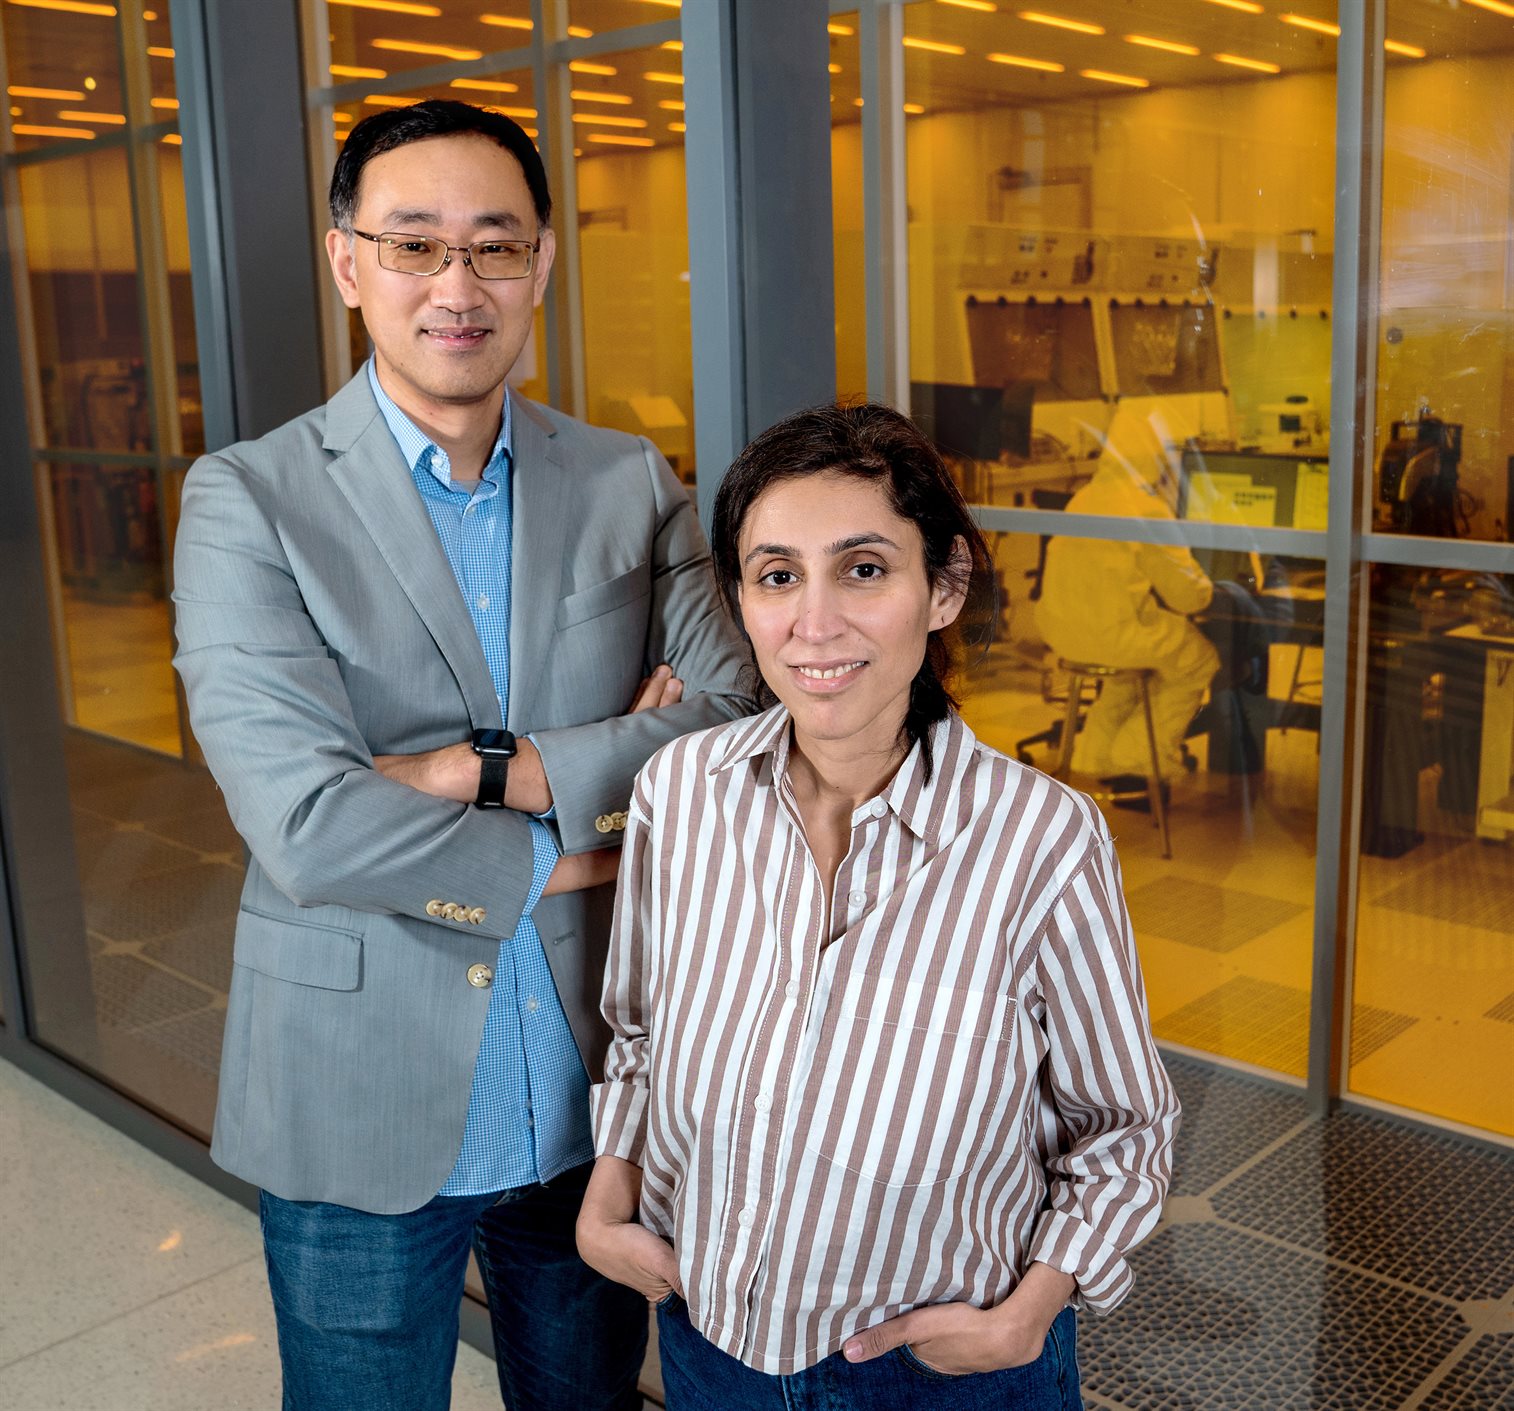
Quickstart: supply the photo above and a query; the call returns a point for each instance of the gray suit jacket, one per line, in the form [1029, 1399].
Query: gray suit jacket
[319, 624]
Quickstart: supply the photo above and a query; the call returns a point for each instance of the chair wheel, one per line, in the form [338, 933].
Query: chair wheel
[1024, 757]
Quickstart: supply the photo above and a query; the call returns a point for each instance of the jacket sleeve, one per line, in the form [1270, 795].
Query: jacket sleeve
[591, 767]
[271, 713]
[1116, 1111]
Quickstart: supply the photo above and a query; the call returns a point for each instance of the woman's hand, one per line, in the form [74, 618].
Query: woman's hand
[957, 1338]
[610, 1239]
[585, 869]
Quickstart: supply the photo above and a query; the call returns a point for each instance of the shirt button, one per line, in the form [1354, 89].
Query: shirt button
[878, 808]
[483, 600]
[791, 989]
[745, 1218]
[762, 1102]
[856, 898]
[533, 1004]
[469, 509]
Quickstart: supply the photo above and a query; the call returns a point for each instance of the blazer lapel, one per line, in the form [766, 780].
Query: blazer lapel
[372, 475]
[541, 501]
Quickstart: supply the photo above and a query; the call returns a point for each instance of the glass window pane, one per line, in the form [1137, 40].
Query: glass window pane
[63, 75]
[597, 16]
[1120, 245]
[634, 250]
[1445, 433]
[189, 418]
[847, 179]
[1225, 926]
[1433, 1011]
[82, 278]
[370, 42]
[135, 993]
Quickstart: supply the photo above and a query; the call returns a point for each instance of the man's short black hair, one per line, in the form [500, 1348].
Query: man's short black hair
[436, 117]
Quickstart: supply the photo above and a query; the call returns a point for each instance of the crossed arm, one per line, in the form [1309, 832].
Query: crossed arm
[452, 772]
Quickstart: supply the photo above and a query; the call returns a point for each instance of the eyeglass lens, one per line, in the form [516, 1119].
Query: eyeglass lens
[424, 254]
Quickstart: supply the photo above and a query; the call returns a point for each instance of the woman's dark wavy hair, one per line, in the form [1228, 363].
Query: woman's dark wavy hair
[875, 443]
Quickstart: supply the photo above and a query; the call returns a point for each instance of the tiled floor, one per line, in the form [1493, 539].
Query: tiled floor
[1350, 1265]
[1354, 1263]
[127, 1285]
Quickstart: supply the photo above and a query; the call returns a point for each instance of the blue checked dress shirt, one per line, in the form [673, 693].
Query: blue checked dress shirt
[528, 1115]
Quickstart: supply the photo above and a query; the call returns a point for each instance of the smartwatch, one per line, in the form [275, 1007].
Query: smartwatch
[495, 749]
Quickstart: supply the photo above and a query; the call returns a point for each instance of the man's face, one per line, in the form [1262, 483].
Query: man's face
[449, 339]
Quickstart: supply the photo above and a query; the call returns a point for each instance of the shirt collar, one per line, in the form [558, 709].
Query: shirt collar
[919, 803]
[420, 451]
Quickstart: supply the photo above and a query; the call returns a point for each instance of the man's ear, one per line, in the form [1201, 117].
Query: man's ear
[543, 266]
[342, 253]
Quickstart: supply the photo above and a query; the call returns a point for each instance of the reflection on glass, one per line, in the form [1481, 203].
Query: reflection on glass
[1225, 926]
[190, 421]
[372, 42]
[1127, 235]
[1434, 981]
[82, 269]
[1445, 436]
[62, 74]
[116, 630]
[596, 16]
[137, 994]
[846, 209]
[140, 998]
[634, 251]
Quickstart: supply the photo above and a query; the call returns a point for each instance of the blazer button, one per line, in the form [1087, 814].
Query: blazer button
[434, 907]
[604, 823]
[480, 977]
[477, 916]
[449, 910]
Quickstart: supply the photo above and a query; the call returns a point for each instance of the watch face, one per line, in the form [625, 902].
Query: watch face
[494, 742]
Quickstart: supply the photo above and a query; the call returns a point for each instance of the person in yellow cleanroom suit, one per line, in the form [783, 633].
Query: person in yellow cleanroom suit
[1124, 604]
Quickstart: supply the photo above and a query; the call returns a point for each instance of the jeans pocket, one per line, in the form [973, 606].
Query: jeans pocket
[906, 1354]
[666, 1303]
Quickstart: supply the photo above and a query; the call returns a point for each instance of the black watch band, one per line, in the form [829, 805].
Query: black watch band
[495, 749]
[493, 770]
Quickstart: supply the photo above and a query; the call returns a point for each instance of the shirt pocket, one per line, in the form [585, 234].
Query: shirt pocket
[913, 1078]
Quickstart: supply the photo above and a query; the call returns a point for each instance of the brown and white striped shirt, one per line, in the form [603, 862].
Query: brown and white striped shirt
[842, 1117]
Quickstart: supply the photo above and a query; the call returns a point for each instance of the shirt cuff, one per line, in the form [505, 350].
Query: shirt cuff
[550, 816]
[544, 855]
[620, 1120]
[1074, 1247]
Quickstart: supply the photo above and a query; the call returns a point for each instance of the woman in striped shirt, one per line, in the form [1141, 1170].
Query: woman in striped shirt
[882, 1103]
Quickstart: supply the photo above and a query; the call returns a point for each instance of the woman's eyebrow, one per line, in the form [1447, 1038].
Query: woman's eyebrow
[841, 546]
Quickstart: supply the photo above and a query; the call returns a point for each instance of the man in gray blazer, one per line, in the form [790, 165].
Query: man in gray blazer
[366, 598]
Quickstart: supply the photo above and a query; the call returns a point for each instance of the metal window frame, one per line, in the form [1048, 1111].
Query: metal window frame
[1347, 547]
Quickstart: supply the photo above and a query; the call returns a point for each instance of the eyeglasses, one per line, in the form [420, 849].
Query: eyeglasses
[425, 255]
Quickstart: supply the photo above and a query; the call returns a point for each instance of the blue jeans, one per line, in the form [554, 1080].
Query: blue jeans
[367, 1305]
[698, 1376]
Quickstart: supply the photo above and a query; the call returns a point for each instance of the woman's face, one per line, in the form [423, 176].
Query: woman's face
[835, 599]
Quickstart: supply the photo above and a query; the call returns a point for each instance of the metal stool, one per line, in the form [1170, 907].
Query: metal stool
[1079, 672]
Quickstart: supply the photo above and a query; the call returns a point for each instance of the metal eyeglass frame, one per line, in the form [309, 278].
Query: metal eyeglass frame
[466, 251]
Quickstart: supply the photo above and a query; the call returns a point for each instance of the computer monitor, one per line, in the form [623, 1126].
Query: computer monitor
[1251, 487]
[975, 423]
[962, 421]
